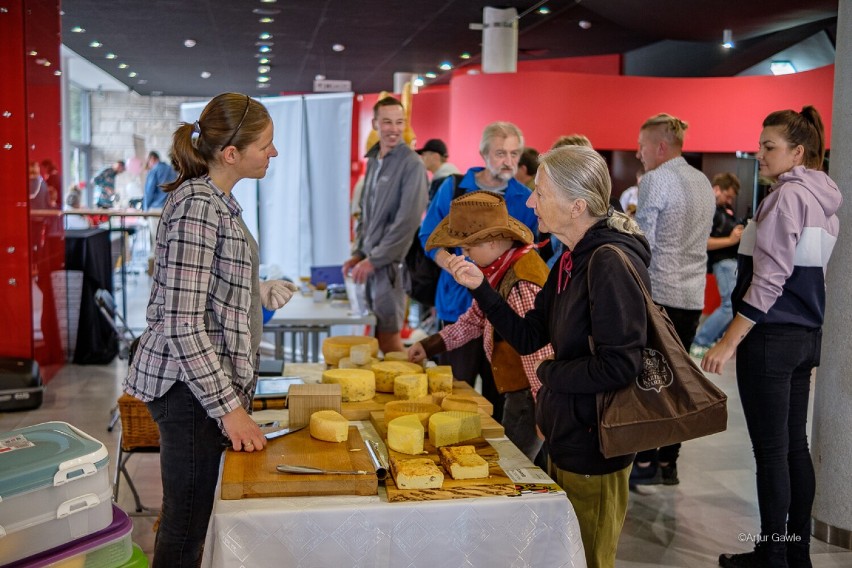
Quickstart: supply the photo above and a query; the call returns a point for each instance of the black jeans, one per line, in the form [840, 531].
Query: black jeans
[191, 445]
[686, 324]
[774, 365]
[468, 361]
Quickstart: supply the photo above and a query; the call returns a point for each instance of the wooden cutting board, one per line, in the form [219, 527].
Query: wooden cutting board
[361, 410]
[497, 482]
[490, 427]
[247, 475]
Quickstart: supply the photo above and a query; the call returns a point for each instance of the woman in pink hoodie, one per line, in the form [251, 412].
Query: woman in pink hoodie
[779, 301]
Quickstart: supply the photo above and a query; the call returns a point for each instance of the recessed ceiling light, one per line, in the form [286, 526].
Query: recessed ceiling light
[338, 47]
[266, 20]
[727, 38]
[189, 42]
[782, 67]
[544, 10]
[419, 82]
[585, 24]
[265, 35]
[78, 30]
[132, 74]
[430, 75]
[263, 60]
[262, 79]
[33, 53]
[319, 77]
[57, 72]
[263, 69]
[110, 56]
[465, 55]
[265, 49]
[123, 66]
[446, 66]
[268, 1]
[95, 43]
[205, 74]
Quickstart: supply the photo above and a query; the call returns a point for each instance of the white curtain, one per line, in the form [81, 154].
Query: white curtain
[299, 213]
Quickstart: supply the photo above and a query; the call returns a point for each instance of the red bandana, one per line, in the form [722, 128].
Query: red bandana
[495, 271]
[566, 264]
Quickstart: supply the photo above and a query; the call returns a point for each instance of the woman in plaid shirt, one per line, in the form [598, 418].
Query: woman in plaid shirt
[196, 363]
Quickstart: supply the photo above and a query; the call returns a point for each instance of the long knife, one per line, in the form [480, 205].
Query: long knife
[282, 432]
[284, 468]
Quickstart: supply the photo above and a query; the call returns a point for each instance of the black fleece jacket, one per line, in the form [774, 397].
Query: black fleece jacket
[597, 327]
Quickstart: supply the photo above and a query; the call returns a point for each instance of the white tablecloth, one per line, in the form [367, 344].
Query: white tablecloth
[531, 530]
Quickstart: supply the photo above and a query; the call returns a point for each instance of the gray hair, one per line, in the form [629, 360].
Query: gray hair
[498, 130]
[581, 173]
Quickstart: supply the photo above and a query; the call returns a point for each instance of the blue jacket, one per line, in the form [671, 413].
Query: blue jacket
[155, 197]
[452, 299]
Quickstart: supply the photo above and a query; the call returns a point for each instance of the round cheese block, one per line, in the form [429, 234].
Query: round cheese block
[329, 426]
[387, 371]
[336, 348]
[356, 385]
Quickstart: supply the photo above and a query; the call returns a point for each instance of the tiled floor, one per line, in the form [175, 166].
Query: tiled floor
[681, 526]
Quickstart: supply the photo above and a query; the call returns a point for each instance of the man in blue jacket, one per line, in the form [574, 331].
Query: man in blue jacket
[500, 147]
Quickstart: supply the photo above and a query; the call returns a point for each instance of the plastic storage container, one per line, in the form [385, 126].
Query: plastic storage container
[54, 488]
[108, 548]
[138, 560]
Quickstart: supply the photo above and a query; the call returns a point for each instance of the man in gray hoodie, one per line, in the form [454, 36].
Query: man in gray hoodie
[392, 203]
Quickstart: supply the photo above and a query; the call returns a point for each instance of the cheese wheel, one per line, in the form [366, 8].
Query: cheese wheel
[387, 371]
[329, 426]
[410, 387]
[458, 402]
[361, 354]
[454, 426]
[336, 348]
[396, 356]
[406, 435]
[356, 385]
[396, 408]
[440, 381]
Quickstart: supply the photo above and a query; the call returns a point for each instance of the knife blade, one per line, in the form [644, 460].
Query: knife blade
[285, 468]
[282, 432]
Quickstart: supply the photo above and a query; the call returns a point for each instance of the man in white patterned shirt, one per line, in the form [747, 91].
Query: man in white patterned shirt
[675, 211]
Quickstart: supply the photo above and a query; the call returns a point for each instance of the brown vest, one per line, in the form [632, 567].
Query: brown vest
[509, 375]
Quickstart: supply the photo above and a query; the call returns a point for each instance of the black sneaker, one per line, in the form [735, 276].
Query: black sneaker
[744, 560]
[669, 474]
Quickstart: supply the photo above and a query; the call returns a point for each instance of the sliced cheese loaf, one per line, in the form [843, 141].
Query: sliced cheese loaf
[440, 378]
[387, 371]
[452, 427]
[417, 473]
[336, 348]
[462, 462]
[355, 384]
[406, 434]
[329, 426]
[410, 387]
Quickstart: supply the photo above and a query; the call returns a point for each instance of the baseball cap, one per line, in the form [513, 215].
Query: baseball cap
[434, 145]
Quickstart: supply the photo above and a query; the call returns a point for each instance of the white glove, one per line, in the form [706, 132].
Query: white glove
[276, 293]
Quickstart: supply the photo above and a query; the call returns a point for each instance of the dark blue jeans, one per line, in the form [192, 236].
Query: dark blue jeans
[774, 365]
[191, 445]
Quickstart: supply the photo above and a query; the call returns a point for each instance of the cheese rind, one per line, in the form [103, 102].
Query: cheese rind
[337, 347]
[457, 402]
[453, 426]
[410, 387]
[440, 382]
[329, 426]
[406, 435]
[462, 462]
[387, 371]
[417, 473]
[356, 385]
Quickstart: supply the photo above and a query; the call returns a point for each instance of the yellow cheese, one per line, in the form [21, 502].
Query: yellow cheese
[396, 408]
[361, 354]
[355, 384]
[406, 434]
[454, 426]
[329, 426]
[336, 348]
[396, 356]
[440, 381]
[457, 402]
[417, 473]
[462, 462]
[387, 371]
[346, 363]
[410, 387]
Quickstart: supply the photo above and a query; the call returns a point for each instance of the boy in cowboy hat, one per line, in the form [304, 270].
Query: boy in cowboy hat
[501, 246]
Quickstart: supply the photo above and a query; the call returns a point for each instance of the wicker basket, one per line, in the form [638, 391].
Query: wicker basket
[138, 429]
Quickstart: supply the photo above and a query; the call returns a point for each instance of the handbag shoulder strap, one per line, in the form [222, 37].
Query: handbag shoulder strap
[632, 269]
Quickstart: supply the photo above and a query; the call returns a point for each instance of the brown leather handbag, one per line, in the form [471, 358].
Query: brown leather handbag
[670, 400]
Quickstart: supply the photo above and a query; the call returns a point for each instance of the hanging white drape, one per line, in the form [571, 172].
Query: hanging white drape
[299, 213]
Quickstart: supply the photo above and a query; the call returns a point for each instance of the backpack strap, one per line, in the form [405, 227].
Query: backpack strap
[458, 191]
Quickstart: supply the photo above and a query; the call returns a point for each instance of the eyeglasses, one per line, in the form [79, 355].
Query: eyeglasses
[237, 129]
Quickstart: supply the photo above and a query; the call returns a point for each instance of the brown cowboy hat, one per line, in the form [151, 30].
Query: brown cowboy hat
[477, 217]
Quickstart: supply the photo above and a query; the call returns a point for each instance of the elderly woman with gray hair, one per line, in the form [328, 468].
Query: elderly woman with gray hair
[592, 311]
